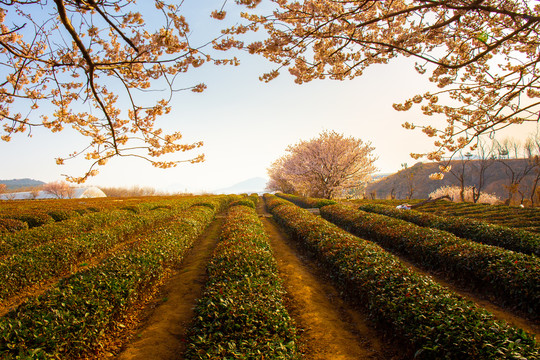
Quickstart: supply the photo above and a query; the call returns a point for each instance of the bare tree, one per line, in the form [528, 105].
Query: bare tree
[503, 148]
[59, 189]
[130, 191]
[410, 179]
[33, 193]
[532, 153]
[516, 169]
[486, 158]
[457, 170]
[10, 195]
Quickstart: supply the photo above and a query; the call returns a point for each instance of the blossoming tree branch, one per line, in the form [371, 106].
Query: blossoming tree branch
[483, 55]
[76, 63]
[91, 65]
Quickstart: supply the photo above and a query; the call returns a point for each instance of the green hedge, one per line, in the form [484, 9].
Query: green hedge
[509, 216]
[255, 198]
[434, 321]
[306, 202]
[71, 319]
[35, 219]
[56, 258]
[512, 277]
[12, 225]
[241, 314]
[61, 215]
[244, 202]
[92, 221]
[57, 231]
[508, 238]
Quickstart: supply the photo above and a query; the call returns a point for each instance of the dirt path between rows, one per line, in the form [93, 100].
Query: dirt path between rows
[329, 327]
[162, 335]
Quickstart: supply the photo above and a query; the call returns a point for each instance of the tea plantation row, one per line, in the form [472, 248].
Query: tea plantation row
[73, 317]
[435, 322]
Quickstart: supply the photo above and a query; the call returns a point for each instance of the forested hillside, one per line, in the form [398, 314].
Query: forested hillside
[499, 177]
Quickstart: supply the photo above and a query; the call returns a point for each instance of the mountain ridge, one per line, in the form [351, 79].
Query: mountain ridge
[251, 185]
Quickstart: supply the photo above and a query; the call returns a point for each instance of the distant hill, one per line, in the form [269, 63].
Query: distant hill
[496, 176]
[15, 184]
[250, 186]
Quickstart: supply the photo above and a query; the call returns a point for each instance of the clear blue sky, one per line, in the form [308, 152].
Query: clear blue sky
[246, 124]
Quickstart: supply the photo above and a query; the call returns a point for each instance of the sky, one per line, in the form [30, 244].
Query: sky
[246, 124]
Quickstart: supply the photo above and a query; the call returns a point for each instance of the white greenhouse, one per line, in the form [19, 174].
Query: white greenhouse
[78, 193]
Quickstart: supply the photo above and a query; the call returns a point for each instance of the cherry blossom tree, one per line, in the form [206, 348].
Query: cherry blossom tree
[101, 67]
[326, 166]
[34, 193]
[483, 55]
[59, 189]
[277, 178]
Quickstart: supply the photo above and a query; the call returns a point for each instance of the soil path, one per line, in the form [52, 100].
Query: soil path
[162, 336]
[329, 327]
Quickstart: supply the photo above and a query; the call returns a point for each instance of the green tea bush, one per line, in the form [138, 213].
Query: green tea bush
[71, 320]
[435, 322]
[508, 238]
[307, 202]
[511, 276]
[12, 225]
[61, 215]
[241, 313]
[243, 202]
[36, 219]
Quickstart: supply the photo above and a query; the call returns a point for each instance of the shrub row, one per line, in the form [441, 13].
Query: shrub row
[57, 258]
[241, 314]
[39, 213]
[511, 276]
[244, 202]
[8, 225]
[93, 221]
[510, 216]
[11, 243]
[35, 219]
[434, 321]
[306, 202]
[254, 198]
[39, 217]
[71, 319]
[508, 238]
